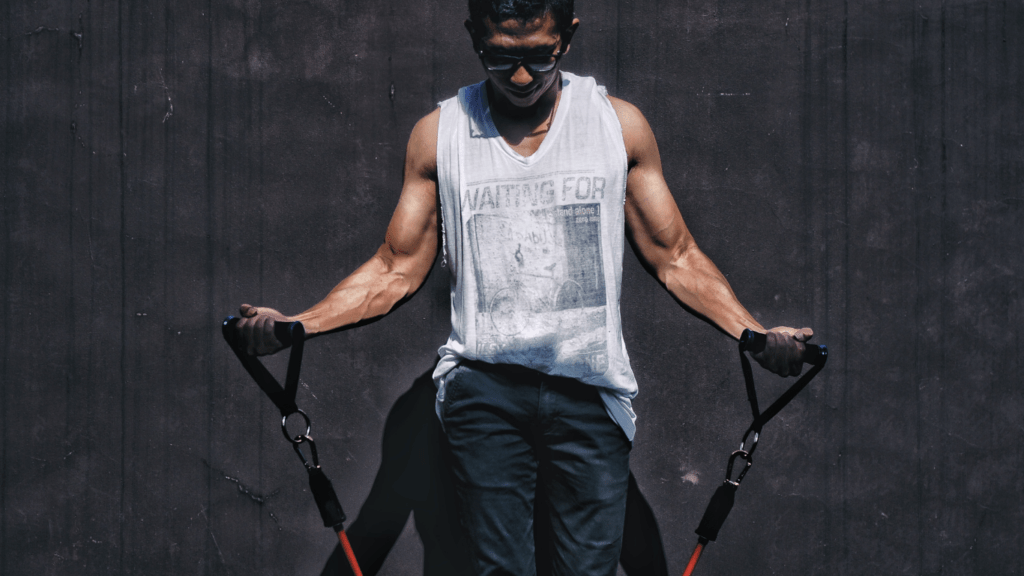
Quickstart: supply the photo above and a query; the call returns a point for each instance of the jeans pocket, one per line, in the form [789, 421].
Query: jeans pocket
[451, 389]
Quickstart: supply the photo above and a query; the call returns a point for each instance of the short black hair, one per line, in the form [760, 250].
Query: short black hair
[522, 10]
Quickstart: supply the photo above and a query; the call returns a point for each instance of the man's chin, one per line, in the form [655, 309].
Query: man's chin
[523, 99]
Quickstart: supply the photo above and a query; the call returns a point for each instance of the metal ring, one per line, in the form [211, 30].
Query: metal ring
[298, 439]
[753, 445]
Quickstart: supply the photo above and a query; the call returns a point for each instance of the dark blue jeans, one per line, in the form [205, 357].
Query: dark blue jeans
[517, 435]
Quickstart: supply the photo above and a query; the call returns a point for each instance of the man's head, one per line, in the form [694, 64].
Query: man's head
[520, 43]
[522, 10]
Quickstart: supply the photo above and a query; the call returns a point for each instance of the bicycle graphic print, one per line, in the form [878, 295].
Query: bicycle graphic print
[508, 304]
[540, 284]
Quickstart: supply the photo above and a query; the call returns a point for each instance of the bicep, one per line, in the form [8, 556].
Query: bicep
[411, 242]
[654, 225]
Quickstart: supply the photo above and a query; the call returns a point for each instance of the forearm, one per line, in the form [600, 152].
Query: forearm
[694, 280]
[372, 291]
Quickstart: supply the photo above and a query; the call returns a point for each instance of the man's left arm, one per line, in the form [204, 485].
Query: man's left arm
[664, 245]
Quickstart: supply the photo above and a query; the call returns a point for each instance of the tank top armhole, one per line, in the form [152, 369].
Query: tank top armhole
[446, 130]
[616, 132]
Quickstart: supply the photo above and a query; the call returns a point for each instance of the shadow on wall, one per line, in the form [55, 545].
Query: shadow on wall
[415, 476]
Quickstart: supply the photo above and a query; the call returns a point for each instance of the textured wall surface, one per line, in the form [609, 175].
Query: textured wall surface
[854, 166]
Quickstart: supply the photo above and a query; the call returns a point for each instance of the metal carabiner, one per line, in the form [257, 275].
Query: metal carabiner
[312, 451]
[732, 458]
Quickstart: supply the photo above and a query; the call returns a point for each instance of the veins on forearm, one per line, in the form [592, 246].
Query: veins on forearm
[695, 281]
[368, 294]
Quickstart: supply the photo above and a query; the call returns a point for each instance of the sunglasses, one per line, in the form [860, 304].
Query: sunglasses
[537, 63]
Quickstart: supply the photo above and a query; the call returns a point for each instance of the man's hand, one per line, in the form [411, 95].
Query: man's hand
[256, 329]
[783, 354]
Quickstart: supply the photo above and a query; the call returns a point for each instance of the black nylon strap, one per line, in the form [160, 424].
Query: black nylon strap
[754, 342]
[748, 378]
[290, 334]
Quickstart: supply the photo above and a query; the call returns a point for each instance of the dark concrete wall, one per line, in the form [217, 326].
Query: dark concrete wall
[852, 166]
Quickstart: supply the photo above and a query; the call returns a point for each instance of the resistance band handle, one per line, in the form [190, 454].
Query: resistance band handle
[722, 501]
[288, 333]
[293, 334]
[751, 341]
[755, 342]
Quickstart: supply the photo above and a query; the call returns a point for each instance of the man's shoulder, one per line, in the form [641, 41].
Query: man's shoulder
[422, 150]
[629, 115]
[636, 132]
[426, 127]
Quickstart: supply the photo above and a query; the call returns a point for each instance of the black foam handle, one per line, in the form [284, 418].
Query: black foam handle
[326, 499]
[287, 333]
[717, 511]
[755, 342]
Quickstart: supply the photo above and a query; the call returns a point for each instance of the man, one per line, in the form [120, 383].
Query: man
[539, 176]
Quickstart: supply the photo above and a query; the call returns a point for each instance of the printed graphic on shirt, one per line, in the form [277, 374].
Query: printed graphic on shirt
[539, 271]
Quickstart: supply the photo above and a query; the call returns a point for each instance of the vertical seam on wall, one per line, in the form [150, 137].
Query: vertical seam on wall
[985, 100]
[943, 187]
[168, 186]
[71, 363]
[433, 57]
[846, 272]
[256, 117]
[260, 191]
[121, 243]
[618, 48]
[169, 139]
[1015, 116]
[807, 183]
[210, 275]
[918, 40]
[7, 299]
[391, 73]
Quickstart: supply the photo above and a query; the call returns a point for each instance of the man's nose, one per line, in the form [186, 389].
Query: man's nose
[522, 76]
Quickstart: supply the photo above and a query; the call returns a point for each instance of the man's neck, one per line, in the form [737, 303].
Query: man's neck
[536, 114]
[518, 124]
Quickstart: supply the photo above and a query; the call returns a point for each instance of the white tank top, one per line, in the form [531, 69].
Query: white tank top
[535, 243]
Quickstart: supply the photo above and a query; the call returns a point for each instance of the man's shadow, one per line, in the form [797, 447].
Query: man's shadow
[415, 476]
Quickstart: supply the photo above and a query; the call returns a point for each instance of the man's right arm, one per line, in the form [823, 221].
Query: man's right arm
[666, 248]
[394, 273]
